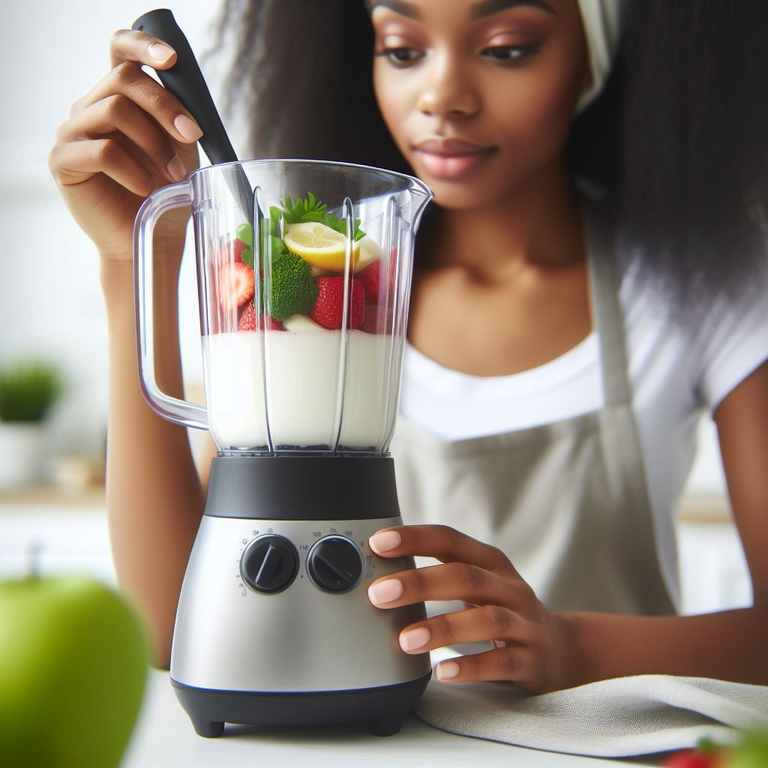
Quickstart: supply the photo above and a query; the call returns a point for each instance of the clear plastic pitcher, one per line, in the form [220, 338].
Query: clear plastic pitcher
[304, 277]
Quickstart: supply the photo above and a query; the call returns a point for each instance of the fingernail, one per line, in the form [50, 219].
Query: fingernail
[160, 52]
[447, 670]
[176, 169]
[385, 591]
[416, 638]
[189, 129]
[383, 542]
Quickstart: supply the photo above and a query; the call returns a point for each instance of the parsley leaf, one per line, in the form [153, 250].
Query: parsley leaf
[312, 209]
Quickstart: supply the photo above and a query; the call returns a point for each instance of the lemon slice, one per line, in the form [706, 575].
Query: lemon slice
[319, 245]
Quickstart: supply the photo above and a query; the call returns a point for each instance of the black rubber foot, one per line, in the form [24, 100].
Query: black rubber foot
[207, 728]
[384, 727]
[382, 709]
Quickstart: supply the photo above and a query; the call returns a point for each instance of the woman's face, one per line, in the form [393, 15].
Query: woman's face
[479, 95]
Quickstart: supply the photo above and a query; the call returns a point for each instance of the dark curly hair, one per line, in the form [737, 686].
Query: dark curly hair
[676, 142]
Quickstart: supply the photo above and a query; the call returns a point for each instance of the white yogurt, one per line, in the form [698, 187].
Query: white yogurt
[301, 402]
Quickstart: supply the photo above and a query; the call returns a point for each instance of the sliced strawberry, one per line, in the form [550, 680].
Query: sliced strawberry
[329, 307]
[248, 321]
[236, 285]
[233, 250]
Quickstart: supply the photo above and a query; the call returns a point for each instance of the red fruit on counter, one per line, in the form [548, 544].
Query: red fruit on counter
[236, 285]
[329, 307]
[694, 759]
[248, 321]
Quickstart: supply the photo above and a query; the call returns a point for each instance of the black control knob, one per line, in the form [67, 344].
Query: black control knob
[270, 563]
[335, 564]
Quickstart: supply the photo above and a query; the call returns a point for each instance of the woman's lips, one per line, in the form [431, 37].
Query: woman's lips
[451, 158]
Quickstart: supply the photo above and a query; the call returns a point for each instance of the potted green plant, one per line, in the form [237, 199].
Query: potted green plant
[28, 390]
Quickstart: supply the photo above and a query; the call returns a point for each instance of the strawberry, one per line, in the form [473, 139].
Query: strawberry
[236, 285]
[371, 320]
[369, 277]
[248, 321]
[233, 250]
[376, 322]
[329, 306]
[695, 758]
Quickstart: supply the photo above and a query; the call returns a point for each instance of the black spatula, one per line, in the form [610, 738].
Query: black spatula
[186, 82]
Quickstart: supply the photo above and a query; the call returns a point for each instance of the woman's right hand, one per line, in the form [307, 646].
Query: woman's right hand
[124, 139]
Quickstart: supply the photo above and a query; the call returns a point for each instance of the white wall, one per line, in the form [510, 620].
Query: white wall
[50, 302]
[53, 53]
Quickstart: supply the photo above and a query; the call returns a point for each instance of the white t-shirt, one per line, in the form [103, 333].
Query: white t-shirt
[675, 373]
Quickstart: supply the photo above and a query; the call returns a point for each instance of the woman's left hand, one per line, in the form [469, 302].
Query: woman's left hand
[530, 642]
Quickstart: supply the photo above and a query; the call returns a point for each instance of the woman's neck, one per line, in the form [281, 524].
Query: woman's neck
[539, 225]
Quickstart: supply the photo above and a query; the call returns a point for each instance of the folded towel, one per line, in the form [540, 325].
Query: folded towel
[624, 717]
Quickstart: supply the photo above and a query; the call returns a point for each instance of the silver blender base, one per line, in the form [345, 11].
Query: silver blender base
[299, 645]
[382, 709]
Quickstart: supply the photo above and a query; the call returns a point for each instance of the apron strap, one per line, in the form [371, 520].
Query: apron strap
[623, 448]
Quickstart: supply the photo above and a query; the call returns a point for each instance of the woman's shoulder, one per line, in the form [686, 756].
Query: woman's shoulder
[711, 342]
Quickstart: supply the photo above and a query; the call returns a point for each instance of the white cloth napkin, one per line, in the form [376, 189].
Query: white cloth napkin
[623, 717]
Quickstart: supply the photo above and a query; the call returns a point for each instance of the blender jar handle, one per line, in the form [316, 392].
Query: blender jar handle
[171, 408]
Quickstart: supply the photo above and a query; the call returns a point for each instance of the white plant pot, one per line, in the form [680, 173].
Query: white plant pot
[22, 449]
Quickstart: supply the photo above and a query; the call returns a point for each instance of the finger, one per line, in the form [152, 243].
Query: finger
[128, 79]
[452, 581]
[117, 113]
[132, 45]
[441, 542]
[77, 162]
[517, 664]
[489, 622]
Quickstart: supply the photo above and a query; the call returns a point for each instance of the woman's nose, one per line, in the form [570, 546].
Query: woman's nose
[447, 90]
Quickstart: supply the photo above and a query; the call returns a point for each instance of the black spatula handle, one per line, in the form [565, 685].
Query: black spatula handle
[186, 82]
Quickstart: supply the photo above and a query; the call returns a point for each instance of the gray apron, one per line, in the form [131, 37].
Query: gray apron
[566, 502]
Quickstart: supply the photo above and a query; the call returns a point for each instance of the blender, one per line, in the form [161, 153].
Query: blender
[304, 271]
[303, 310]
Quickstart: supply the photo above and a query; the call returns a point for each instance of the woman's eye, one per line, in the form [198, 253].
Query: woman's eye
[401, 57]
[510, 54]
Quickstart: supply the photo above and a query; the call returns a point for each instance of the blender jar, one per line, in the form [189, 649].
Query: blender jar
[303, 303]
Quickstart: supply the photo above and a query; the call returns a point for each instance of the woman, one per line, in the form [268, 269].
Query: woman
[560, 349]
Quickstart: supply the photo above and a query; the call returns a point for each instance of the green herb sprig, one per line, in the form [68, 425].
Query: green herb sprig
[299, 210]
[294, 211]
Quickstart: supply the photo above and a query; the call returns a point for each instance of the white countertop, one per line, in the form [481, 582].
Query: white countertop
[164, 738]
[74, 537]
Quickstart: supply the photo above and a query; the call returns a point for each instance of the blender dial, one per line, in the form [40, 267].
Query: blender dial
[334, 564]
[269, 564]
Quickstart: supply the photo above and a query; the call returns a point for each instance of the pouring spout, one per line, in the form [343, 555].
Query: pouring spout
[422, 196]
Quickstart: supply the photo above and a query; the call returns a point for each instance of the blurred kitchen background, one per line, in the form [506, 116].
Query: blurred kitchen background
[51, 306]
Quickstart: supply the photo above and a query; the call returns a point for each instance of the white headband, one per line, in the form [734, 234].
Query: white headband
[602, 30]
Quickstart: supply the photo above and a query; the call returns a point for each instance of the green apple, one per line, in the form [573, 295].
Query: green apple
[73, 666]
[752, 752]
